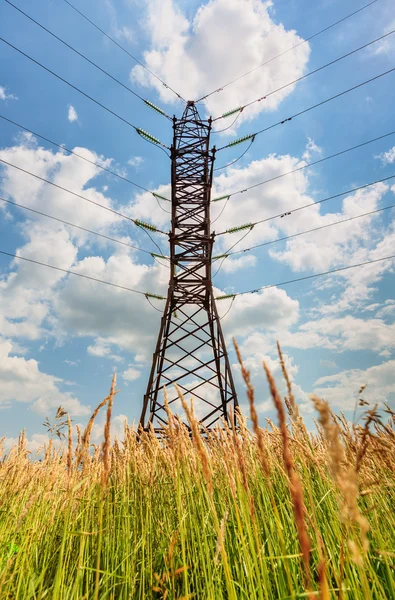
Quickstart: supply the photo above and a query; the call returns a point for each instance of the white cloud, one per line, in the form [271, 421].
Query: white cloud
[231, 265]
[341, 334]
[22, 381]
[72, 114]
[34, 444]
[329, 364]
[387, 158]
[72, 363]
[5, 96]
[269, 310]
[101, 349]
[136, 161]
[131, 374]
[311, 149]
[223, 39]
[341, 389]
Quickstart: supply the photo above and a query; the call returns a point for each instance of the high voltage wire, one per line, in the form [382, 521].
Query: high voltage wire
[294, 235]
[288, 50]
[137, 222]
[121, 287]
[227, 296]
[302, 112]
[62, 147]
[306, 166]
[293, 210]
[332, 62]
[106, 237]
[141, 132]
[281, 284]
[126, 51]
[150, 104]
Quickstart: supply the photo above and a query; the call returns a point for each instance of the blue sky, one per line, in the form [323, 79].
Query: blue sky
[62, 337]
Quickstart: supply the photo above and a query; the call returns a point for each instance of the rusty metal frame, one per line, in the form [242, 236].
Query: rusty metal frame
[190, 288]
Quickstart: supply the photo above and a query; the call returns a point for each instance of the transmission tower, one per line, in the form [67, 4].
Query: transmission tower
[191, 349]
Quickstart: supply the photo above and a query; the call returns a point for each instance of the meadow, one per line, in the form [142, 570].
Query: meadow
[266, 511]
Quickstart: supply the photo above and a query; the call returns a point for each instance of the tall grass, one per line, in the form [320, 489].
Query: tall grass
[273, 513]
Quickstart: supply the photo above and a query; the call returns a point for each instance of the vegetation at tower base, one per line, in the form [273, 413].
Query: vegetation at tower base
[268, 513]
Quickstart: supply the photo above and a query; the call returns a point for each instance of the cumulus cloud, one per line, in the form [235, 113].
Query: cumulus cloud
[22, 380]
[136, 162]
[387, 158]
[223, 39]
[131, 374]
[5, 96]
[343, 333]
[341, 389]
[72, 114]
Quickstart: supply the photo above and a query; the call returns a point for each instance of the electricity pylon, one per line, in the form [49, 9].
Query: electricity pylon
[191, 349]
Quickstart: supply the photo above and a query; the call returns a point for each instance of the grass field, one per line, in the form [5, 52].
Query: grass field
[272, 513]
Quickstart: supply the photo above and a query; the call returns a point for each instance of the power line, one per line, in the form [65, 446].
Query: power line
[106, 237]
[237, 159]
[332, 62]
[140, 132]
[293, 210]
[302, 112]
[288, 50]
[294, 235]
[306, 166]
[156, 108]
[62, 147]
[272, 285]
[138, 223]
[121, 287]
[126, 51]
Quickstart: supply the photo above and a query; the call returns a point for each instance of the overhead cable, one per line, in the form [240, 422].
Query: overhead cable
[302, 112]
[137, 222]
[106, 237]
[62, 147]
[144, 134]
[121, 287]
[332, 62]
[282, 283]
[294, 235]
[304, 41]
[126, 51]
[293, 210]
[306, 166]
[147, 102]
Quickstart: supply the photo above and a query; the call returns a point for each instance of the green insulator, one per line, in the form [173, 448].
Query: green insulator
[240, 228]
[220, 256]
[145, 225]
[149, 137]
[155, 108]
[240, 141]
[147, 295]
[221, 198]
[232, 112]
[226, 297]
[160, 197]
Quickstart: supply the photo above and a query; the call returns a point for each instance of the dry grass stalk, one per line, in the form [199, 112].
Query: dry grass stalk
[107, 435]
[291, 397]
[254, 416]
[197, 440]
[346, 477]
[83, 444]
[69, 446]
[294, 481]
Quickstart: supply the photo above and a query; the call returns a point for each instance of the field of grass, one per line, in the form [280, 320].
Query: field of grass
[271, 513]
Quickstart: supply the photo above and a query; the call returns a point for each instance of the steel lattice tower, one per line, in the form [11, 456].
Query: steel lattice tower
[191, 349]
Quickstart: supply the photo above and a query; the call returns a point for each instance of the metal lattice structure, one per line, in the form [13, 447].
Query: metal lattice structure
[191, 349]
